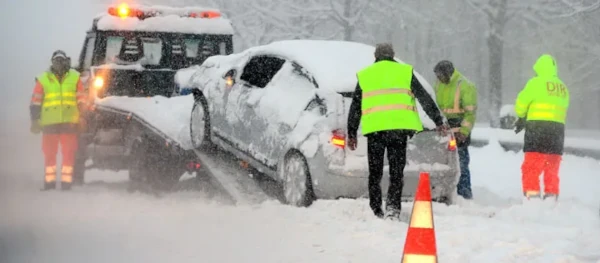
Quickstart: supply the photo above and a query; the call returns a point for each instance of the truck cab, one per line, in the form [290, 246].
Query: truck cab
[135, 51]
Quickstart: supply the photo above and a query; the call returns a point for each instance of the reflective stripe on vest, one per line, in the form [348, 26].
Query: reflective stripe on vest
[550, 101]
[456, 109]
[59, 103]
[387, 101]
[543, 111]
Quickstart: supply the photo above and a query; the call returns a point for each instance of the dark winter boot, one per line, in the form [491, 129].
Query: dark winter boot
[49, 180]
[49, 186]
[378, 213]
[551, 196]
[393, 213]
[65, 186]
[532, 195]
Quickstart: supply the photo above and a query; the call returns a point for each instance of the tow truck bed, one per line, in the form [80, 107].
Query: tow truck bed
[137, 127]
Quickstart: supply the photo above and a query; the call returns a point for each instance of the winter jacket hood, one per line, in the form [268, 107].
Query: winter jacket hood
[545, 66]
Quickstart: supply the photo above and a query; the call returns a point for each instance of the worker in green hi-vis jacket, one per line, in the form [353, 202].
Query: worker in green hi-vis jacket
[457, 98]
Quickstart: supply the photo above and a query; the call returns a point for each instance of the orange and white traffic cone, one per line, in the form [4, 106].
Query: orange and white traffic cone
[420, 245]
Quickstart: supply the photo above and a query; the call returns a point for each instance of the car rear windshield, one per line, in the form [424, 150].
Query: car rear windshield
[161, 51]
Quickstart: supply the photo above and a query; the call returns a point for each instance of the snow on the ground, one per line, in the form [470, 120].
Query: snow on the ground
[101, 222]
[574, 138]
[169, 115]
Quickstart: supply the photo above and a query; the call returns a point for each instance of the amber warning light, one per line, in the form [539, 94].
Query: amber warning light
[123, 11]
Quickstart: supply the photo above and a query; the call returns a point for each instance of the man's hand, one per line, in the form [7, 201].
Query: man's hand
[352, 143]
[460, 137]
[35, 127]
[442, 130]
[519, 125]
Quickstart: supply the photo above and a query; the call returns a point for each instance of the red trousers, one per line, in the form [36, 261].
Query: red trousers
[533, 166]
[68, 144]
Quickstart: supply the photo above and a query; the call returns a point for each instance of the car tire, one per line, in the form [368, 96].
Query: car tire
[295, 177]
[200, 122]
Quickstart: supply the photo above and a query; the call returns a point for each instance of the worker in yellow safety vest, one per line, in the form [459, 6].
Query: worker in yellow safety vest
[57, 101]
[457, 98]
[384, 101]
[542, 110]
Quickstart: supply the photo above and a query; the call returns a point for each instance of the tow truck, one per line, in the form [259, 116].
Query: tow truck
[134, 52]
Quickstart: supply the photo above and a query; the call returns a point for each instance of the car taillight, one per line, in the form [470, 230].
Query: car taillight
[193, 165]
[338, 139]
[452, 144]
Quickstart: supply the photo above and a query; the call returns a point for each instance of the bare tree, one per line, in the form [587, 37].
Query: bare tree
[498, 13]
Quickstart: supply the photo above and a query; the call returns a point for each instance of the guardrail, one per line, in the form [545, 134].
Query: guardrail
[512, 142]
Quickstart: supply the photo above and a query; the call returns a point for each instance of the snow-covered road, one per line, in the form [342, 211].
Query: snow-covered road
[101, 222]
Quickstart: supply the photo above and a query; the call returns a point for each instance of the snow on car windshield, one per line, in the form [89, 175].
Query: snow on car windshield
[149, 51]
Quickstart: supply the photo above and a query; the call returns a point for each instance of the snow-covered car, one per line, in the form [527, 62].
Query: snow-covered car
[283, 108]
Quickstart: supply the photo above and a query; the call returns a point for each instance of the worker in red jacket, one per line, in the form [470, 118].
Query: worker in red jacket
[56, 104]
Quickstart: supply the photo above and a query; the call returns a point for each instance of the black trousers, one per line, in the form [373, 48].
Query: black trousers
[395, 142]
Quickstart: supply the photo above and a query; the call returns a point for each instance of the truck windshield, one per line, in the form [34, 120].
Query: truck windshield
[168, 51]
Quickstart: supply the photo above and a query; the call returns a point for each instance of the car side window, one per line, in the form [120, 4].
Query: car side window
[259, 71]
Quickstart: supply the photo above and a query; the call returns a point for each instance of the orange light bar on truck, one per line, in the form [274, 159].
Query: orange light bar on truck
[124, 11]
[206, 14]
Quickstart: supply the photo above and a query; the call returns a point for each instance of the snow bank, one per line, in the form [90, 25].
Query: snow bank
[184, 76]
[170, 20]
[169, 115]
[508, 110]
[485, 133]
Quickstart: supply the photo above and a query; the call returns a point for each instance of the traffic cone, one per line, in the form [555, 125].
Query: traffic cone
[420, 246]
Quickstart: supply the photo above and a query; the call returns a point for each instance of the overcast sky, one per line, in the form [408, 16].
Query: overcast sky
[31, 31]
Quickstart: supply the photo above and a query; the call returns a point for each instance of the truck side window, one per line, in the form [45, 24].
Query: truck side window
[113, 48]
[89, 53]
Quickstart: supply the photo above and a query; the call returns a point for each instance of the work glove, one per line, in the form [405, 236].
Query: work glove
[460, 137]
[352, 143]
[519, 125]
[35, 127]
[442, 129]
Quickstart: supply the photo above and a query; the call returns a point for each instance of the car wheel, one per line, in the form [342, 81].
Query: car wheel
[295, 177]
[200, 123]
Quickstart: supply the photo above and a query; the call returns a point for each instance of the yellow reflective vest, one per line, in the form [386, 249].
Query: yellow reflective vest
[387, 100]
[59, 103]
[545, 97]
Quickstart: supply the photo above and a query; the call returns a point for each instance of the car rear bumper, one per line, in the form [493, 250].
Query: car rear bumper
[332, 183]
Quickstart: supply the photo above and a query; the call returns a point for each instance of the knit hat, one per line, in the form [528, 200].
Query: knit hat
[59, 54]
[384, 50]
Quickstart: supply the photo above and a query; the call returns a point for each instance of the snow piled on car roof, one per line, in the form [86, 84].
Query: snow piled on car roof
[333, 64]
[170, 20]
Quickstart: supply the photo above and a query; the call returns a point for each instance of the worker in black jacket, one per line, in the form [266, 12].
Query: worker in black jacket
[384, 101]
